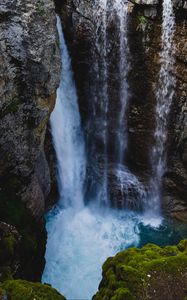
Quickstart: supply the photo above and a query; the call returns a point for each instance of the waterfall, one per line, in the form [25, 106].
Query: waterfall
[80, 237]
[164, 96]
[103, 98]
[121, 8]
[106, 13]
[67, 135]
[133, 194]
[81, 233]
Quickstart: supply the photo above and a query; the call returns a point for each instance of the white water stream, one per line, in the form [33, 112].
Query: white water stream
[164, 97]
[103, 99]
[79, 238]
[67, 135]
[121, 9]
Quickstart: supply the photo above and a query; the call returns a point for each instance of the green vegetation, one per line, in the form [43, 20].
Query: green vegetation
[147, 273]
[40, 7]
[24, 290]
[142, 23]
[27, 244]
[11, 107]
[142, 19]
[12, 210]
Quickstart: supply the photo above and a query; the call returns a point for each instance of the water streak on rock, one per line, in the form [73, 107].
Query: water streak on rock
[164, 97]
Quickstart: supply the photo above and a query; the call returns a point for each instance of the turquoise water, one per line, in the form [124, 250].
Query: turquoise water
[168, 233]
[79, 242]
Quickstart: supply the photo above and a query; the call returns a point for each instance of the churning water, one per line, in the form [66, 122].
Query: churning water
[78, 244]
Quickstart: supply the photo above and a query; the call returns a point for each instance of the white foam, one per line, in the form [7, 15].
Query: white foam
[152, 220]
[80, 242]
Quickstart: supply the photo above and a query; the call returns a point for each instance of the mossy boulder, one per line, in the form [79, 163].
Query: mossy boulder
[24, 290]
[151, 272]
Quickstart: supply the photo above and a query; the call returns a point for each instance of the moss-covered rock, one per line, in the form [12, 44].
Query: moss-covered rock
[22, 239]
[152, 272]
[9, 248]
[24, 290]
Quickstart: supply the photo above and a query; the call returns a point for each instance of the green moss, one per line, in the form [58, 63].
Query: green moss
[139, 272]
[24, 290]
[11, 107]
[32, 238]
[40, 7]
[142, 23]
[121, 294]
[9, 244]
[142, 19]
[12, 210]
[6, 273]
[182, 246]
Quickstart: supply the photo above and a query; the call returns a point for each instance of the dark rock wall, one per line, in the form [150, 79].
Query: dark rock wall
[29, 76]
[30, 67]
[145, 46]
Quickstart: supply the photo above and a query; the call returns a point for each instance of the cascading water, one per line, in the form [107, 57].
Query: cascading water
[121, 8]
[107, 13]
[164, 96]
[103, 95]
[67, 136]
[133, 194]
[80, 238]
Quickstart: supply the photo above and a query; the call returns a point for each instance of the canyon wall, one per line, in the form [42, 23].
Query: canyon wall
[29, 76]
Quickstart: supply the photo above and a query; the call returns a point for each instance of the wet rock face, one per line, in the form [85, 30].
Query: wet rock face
[146, 2]
[144, 33]
[176, 178]
[29, 76]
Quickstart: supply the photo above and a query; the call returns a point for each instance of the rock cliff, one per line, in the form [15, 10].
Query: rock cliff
[29, 72]
[29, 76]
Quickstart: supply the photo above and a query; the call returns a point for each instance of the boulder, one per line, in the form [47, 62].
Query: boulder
[151, 272]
